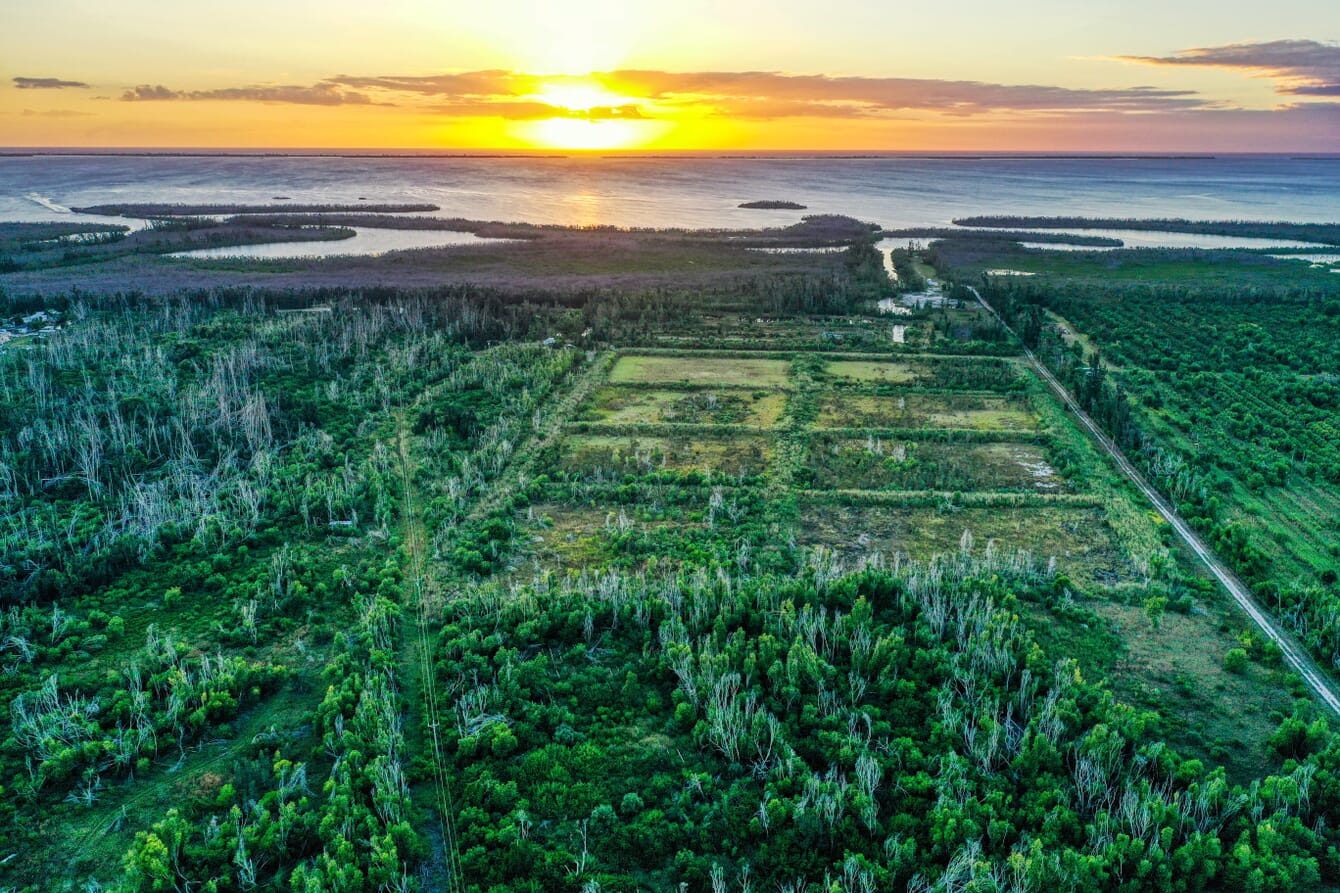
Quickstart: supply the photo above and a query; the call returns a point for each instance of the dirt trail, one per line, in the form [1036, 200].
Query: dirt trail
[1294, 653]
[549, 426]
[420, 662]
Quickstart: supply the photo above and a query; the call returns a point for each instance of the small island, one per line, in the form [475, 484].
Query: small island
[774, 206]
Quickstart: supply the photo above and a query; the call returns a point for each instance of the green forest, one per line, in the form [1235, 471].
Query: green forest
[749, 586]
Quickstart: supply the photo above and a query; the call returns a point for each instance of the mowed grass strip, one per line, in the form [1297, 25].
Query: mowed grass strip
[882, 372]
[976, 412]
[639, 406]
[720, 371]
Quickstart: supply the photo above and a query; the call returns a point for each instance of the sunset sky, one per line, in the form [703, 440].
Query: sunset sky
[1032, 75]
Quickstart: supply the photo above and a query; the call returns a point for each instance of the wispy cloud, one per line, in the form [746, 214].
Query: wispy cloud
[770, 94]
[56, 113]
[1301, 67]
[327, 94]
[46, 83]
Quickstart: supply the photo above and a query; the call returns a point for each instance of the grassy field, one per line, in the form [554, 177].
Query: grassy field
[978, 412]
[872, 463]
[598, 455]
[620, 406]
[1106, 548]
[742, 372]
[1079, 539]
[882, 372]
[943, 372]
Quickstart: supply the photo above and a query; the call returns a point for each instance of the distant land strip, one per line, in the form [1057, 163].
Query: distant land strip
[187, 210]
[947, 232]
[1320, 233]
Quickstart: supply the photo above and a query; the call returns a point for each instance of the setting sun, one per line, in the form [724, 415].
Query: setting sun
[585, 115]
[581, 133]
[581, 97]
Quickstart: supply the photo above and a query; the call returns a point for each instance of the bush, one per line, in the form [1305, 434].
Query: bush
[1235, 660]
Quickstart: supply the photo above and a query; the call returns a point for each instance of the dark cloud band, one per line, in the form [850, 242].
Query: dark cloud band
[47, 84]
[1302, 67]
[321, 94]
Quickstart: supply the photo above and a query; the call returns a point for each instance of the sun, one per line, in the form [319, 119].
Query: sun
[588, 116]
[581, 133]
[581, 96]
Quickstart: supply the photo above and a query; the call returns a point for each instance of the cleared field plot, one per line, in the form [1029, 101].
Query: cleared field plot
[979, 412]
[949, 373]
[1078, 538]
[874, 464]
[1178, 669]
[725, 371]
[564, 536]
[567, 537]
[883, 372]
[637, 406]
[608, 457]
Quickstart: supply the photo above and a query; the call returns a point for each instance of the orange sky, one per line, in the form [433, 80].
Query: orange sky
[603, 75]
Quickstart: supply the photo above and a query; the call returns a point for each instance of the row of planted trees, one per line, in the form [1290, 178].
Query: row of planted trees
[1231, 454]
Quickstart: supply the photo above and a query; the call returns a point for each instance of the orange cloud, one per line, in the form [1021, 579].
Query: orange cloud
[757, 95]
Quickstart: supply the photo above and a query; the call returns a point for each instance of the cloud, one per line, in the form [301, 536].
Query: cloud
[46, 83]
[486, 83]
[321, 94]
[767, 95]
[537, 111]
[772, 94]
[147, 93]
[1301, 67]
[749, 95]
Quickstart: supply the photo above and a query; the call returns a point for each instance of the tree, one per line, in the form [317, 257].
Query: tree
[1155, 607]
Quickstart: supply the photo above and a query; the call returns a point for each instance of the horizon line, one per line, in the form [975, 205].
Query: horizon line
[503, 154]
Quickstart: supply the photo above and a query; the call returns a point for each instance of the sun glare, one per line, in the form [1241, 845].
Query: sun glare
[581, 97]
[579, 133]
[588, 117]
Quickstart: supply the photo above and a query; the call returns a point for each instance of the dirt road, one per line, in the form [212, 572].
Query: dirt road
[1294, 654]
